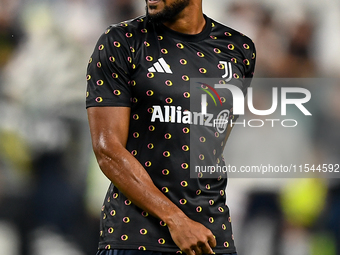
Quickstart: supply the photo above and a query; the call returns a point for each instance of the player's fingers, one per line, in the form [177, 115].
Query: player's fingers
[189, 251]
[197, 250]
[206, 249]
[212, 241]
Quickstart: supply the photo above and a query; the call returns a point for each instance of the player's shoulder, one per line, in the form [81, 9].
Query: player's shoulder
[221, 30]
[128, 28]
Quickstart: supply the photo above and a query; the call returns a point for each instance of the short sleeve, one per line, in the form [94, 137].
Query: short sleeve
[109, 71]
[249, 62]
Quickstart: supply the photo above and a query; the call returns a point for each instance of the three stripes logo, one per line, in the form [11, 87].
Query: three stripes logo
[160, 66]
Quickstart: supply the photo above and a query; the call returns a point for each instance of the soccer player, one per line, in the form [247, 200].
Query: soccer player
[138, 67]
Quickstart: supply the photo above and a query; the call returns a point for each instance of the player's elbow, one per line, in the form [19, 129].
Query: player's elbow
[107, 153]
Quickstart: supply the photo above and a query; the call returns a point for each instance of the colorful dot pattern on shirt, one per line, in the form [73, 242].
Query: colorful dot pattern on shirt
[119, 75]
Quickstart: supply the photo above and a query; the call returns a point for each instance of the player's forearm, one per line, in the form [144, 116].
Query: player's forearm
[130, 177]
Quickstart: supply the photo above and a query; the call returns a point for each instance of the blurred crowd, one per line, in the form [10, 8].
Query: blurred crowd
[51, 189]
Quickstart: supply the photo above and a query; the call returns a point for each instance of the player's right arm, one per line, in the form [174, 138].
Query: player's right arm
[110, 71]
[109, 128]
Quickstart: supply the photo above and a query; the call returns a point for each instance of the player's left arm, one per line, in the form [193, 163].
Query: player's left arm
[249, 73]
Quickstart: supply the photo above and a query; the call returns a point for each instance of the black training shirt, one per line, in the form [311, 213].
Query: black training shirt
[148, 67]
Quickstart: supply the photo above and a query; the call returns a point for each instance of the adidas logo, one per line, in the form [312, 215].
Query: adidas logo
[160, 66]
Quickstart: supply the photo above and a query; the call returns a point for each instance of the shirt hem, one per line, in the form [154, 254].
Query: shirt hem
[103, 246]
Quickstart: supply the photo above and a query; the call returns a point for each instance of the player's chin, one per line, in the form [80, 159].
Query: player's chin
[155, 6]
[153, 13]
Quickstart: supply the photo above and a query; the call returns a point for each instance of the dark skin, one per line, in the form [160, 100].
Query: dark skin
[109, 128]
[189, 21]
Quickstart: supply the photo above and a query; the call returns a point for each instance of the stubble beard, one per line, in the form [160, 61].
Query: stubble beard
[169, 13]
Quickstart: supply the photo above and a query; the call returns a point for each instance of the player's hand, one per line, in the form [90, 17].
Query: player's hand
[191, 237]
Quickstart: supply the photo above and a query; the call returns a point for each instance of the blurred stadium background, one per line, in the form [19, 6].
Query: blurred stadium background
[50, 187]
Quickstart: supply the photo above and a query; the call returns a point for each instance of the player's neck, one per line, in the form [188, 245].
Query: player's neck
[189, 21]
